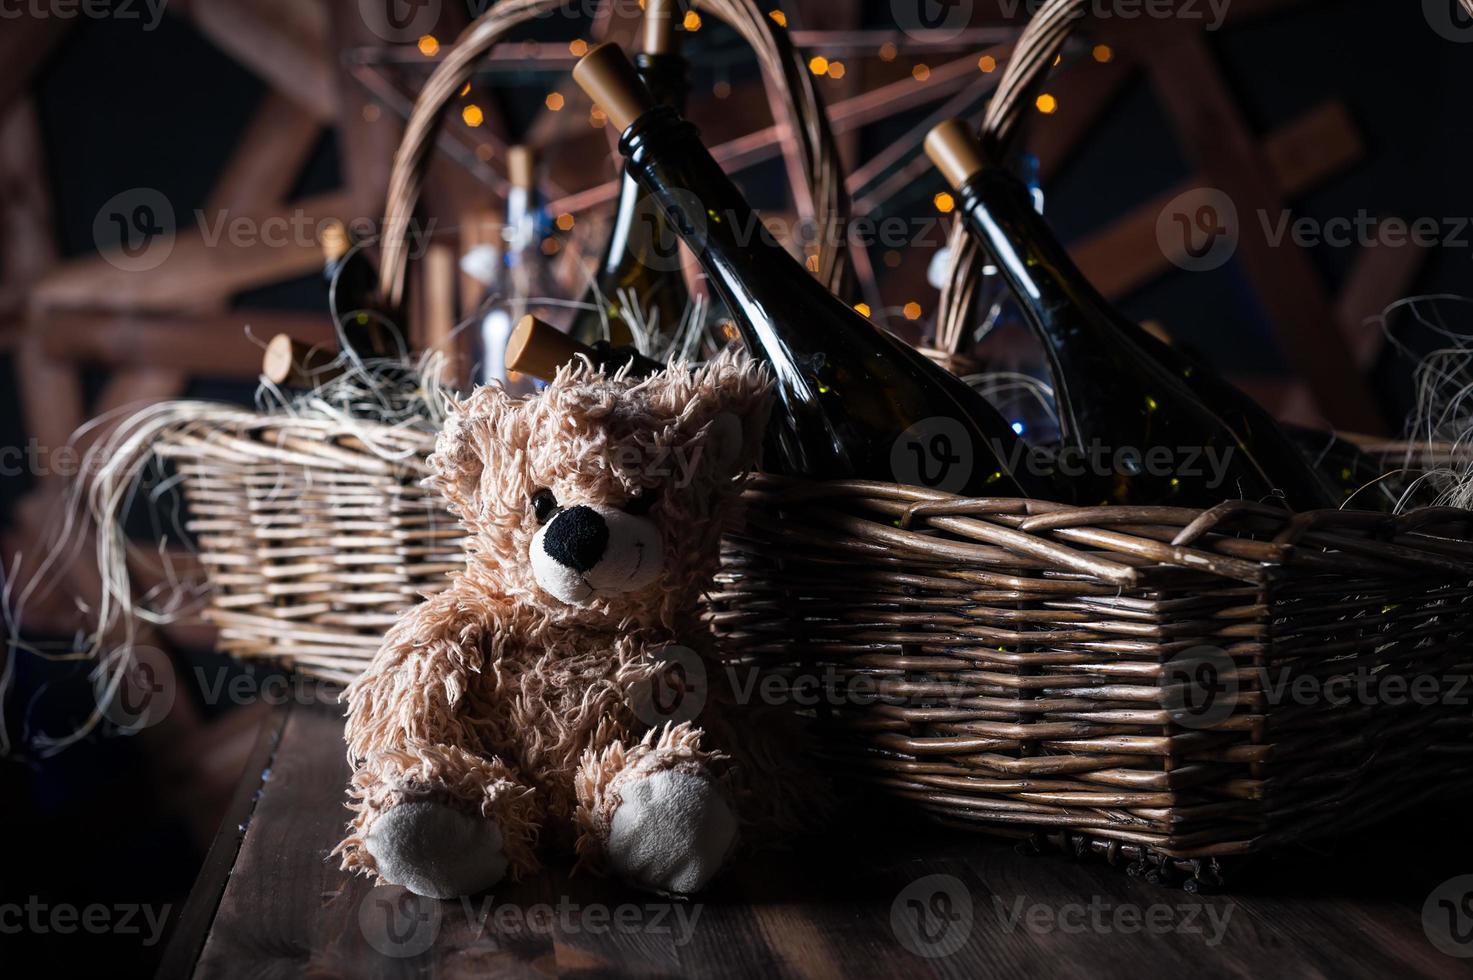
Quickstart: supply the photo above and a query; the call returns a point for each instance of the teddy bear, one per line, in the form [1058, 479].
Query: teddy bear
[527, 708]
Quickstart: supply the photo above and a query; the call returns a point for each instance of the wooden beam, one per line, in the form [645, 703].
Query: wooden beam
[1085, 92]
[24, 44]
[27, 248]
[269, 156]
[1381, 275]
[1212, 132]
[1126, 256]
[367, 136]
[206, 265]
[222, 344]
[283, 41]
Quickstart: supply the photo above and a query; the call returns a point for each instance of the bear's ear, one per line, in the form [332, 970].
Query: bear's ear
[461, 449]
[735, 395]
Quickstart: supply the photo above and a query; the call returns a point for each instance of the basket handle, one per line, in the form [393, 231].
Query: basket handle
[784, 73]
[1035, 51]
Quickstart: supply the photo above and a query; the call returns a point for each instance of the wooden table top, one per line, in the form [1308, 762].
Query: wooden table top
[896, 901]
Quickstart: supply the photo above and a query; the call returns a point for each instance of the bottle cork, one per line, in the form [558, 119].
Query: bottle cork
[334, 241]
[521, 167]
[956, 152]
[610, 80]
[292, 362]
[539, 349]
[659, 26]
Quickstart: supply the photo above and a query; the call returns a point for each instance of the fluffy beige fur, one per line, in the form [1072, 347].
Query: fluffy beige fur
[503, 701]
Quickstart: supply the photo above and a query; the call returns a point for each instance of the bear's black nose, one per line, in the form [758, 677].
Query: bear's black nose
[577, 538]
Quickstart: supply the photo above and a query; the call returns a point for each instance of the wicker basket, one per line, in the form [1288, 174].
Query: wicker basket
[1149, 682]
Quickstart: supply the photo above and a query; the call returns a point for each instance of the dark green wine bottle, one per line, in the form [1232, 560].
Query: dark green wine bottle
[1357, 476]
[364, 325]
[854, 401]
[1140, 424]
[641, 261]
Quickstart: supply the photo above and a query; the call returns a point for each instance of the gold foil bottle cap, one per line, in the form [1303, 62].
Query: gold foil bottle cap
[956, 152]
[610, 80]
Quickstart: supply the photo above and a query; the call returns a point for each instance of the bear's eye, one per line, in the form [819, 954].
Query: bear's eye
[640, 504]
[543, 505]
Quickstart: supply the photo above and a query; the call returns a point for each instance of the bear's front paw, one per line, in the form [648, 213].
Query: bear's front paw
[436, 851]
[671, 832]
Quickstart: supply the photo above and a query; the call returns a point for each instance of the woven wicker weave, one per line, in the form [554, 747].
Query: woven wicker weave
[313, 544]
[1026, 664]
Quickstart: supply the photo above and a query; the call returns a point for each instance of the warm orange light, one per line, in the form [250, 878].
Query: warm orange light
[554, 101]
[597, 117]
[578, 47]
[428, 46]
[473, 115]
[921, 72]
[550, 246]
[912, 310]
[944, 202]
[987, 63]
[888, 51]
[778, 17]
[465, 90]
[565, 222]
[692, 21]
[818, 64]
[836, 69]
[892, 259]
[1103, 53]
[1047, 104]
[862, 309]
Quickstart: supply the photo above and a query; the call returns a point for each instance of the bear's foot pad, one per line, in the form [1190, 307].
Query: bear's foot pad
[437, 851]
[671, 832]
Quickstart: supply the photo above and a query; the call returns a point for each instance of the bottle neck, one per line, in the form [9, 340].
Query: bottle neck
[753, 274]
[667, 78]
[1072, 319]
